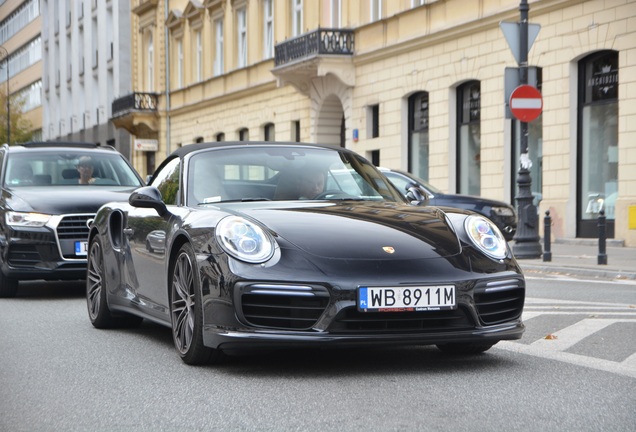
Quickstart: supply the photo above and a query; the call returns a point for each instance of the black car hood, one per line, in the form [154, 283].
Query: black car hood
[62, 199]
[366, 231]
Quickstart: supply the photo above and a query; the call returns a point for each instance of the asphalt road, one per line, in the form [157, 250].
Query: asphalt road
[58, 373]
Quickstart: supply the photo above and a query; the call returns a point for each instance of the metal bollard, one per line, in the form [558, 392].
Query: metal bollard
[547, 224]
[602, 255]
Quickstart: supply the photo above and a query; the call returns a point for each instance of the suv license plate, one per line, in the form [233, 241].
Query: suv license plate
[81, 248]
[406, 299]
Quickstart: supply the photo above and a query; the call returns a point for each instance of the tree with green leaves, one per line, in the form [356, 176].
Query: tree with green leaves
[21, 127]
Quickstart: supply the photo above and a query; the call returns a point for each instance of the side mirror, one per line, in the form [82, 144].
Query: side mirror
[148, 197]
[416, 195]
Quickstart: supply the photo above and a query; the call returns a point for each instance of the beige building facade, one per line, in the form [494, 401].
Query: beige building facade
[20, 40]
[414, 85]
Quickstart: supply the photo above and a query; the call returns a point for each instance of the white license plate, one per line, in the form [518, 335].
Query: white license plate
[406, 299]
[81, 248]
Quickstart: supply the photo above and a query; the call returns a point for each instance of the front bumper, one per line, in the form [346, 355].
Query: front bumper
[47, 252]
[488, 310]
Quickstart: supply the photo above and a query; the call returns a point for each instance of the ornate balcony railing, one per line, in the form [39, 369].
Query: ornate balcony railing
[321, 41]
[134, 102]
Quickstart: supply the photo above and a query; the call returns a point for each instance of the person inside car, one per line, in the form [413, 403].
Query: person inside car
[312, 184]
[85, 168]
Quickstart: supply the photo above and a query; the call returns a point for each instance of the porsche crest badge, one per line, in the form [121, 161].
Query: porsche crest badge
[388, 249]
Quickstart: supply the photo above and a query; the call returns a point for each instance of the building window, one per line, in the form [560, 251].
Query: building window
[20, 17]
[244, 134]
[469, 138]
[268, 132]
[373, 121]
[150, 64]
[297, 17]
[199, 56]
[336, 13]
[220, 137]
[198, 139]
[296, 131]
[241, 28]
[418, 135]
[374, 157]
[30, 96]
[218, 51]
[376, 10]
[22, 58]
[150, 162]
[268, 29]
[179, 63]
[597, 142]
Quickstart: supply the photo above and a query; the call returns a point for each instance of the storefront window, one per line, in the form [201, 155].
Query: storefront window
[418, 135]
[598, 138]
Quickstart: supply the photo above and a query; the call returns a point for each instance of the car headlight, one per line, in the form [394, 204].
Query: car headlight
[486, 236]
[503, 211]
[244, 240]
[19, 219]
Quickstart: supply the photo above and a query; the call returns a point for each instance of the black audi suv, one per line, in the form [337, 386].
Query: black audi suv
[45, 210]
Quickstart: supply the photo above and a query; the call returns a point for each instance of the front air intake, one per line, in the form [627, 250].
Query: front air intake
[499, 300]
[289, 307]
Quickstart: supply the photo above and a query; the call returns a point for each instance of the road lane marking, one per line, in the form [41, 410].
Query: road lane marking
[571, 335]
[630, 361]
[624, 368]
[537, 300]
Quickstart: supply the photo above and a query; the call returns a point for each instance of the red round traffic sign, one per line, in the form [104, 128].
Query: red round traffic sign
[526, 103]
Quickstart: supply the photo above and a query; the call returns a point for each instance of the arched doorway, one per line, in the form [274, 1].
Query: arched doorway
[330, 124]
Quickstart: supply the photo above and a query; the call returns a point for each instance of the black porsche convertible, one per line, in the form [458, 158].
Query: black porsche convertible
[262, 245]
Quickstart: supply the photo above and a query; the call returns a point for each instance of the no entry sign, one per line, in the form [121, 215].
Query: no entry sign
[526, 103]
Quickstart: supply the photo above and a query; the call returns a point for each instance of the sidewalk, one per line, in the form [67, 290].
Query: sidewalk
[579, 257]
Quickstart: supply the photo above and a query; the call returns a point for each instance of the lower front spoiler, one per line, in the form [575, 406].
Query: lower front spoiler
[229, 340]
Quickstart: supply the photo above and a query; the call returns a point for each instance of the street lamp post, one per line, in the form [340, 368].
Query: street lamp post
[527, 237]
[4, 54]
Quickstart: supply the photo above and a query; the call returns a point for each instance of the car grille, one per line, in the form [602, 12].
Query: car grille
[351, 320]
[73, 227]
[70, 229]
[500, 300]
[287, 307]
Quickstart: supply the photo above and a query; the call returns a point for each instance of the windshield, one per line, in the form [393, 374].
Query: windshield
[72, 168]
[284, 173]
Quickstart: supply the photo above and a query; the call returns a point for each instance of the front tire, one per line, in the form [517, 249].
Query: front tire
[98, 311]
[186, 311]
[8, 286]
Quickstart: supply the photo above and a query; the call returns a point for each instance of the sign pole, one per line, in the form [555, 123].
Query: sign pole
[527, 236]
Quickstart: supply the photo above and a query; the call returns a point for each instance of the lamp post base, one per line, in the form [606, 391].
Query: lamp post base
[527, 250]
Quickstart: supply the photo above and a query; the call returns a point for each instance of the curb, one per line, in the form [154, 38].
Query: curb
[578, 271]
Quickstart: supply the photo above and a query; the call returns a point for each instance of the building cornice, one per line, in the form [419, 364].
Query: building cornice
[539, 7]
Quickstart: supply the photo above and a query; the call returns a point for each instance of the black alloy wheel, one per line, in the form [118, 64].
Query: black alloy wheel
[98, 311]
[186, 311]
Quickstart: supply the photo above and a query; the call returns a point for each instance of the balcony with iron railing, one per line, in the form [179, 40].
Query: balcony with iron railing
[136, 112]
[304, 57]
[317, 42]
